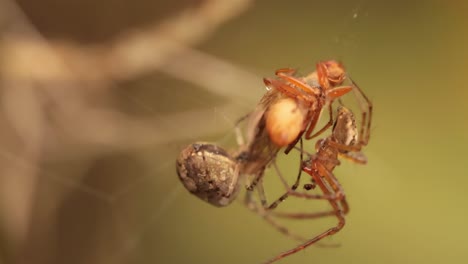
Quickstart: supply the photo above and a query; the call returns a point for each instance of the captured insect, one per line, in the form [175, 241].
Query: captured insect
[290, 108]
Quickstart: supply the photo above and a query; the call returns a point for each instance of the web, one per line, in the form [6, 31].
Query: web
[88, 156]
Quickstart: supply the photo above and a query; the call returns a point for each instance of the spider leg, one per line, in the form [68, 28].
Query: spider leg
[260, 210]
[289, 192]
[294, 186]
[324, 128]
[329, 232]
[323, 178]
[267, 215]
[282, 229]
[287, 90]
[337, 92]
[322, 75]
[356, 157]
[314, 115]
[366, 109]
[300, 216]
[261, 193]
[256, 180]
[293, 144]
[337, 195]
[336, 186]
[339, 213]
[342, 147]
[264, 210]
[287, 71]
[299, 84]
[239, 137]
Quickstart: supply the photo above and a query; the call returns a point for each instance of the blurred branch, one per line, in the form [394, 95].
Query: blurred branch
[63, 65]
[161, 46]
[127, 56]
[47, 86]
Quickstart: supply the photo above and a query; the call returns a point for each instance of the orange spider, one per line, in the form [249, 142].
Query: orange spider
[312, 92]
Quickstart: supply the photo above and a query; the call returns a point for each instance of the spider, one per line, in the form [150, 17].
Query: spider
[214, 175]
[312, 92]
[344, 141]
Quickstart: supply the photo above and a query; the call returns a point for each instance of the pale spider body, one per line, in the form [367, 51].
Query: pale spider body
[344, 133]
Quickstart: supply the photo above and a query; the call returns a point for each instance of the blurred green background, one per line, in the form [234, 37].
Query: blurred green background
[408, 205]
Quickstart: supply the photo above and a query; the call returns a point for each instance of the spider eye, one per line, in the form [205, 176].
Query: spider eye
[208, 172]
